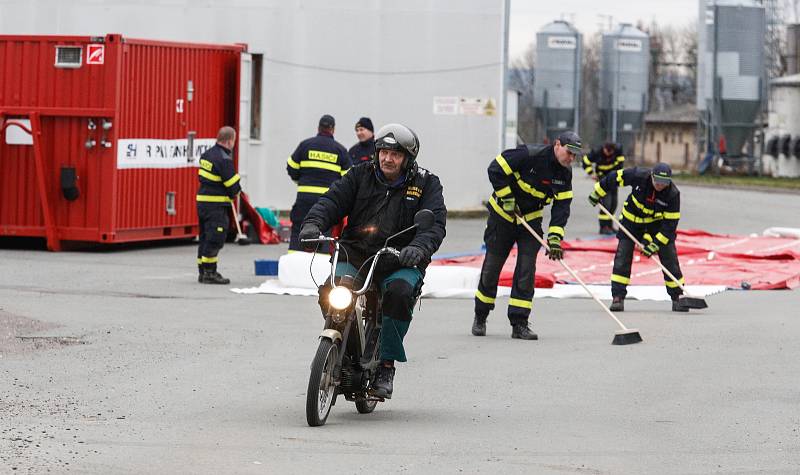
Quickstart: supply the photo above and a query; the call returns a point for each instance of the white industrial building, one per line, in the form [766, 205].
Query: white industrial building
[436, 66]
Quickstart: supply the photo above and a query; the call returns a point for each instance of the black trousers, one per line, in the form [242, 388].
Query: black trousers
[300, 209]
[214, 222]
[667, 254]
[500, 237]
[610, 203]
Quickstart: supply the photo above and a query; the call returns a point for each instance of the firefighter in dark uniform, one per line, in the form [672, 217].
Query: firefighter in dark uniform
[525, 179]
[651, 213]
[219, 185]
[380, 198]
[364, 150]
[315, 164]
[599, 162]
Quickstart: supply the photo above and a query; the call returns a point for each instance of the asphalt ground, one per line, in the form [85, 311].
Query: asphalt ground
[127, 365]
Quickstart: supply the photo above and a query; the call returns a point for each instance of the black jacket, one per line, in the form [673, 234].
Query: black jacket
[362, 151]
[316, 163]
[597, 162]
[646, 207]
[376, 210]
[219, 181]
[533, 176]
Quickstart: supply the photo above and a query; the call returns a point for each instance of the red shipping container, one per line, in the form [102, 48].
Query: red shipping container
[96, 134]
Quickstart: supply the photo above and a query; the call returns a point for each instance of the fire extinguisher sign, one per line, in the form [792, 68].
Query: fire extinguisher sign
[95, 54]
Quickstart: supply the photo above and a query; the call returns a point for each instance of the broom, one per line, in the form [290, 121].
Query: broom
[685, 300]
[241, 238]
[625, 336]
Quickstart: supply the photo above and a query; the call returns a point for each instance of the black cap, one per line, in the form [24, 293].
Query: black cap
[366, 123]
[327, 121]
[571, 140]
[662, 174]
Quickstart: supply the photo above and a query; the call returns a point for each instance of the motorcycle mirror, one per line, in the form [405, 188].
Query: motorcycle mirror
[424, 219]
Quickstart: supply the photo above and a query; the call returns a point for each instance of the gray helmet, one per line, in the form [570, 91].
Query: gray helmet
[398, 137]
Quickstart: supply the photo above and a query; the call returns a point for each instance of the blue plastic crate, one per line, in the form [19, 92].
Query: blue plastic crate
[266, 267]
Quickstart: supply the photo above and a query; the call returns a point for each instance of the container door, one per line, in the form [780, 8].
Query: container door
[245, 92]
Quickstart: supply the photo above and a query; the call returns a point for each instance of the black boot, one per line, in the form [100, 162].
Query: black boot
[523, 332]
[479, 326]
[677, 306]
[617, 305]
[211, 276]
[382, 383]
[200, 273]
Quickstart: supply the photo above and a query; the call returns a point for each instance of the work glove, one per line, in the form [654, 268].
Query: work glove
[650, 249]
[508, 204]
[554, 250]
[309, 231]
[594, 198]
[411, 256]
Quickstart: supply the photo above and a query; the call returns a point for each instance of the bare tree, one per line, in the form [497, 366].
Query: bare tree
[522, 78]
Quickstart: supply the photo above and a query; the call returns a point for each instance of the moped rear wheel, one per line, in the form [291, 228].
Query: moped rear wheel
[321, 388]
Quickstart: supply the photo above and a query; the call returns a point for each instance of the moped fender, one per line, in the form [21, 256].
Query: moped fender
[334, 335]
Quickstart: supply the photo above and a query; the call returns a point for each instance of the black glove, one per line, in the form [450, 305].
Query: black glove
[309, 231]
[411, 256]
[594, 198]
[554, 250]
[650, 249]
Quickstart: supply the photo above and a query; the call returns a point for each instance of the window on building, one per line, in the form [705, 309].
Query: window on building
[255, 96]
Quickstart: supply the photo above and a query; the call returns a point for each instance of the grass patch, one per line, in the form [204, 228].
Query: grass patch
[755, 181]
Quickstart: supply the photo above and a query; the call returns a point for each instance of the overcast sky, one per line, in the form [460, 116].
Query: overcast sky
[529, 16]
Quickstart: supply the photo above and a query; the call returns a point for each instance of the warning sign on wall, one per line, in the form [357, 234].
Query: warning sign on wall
[454, 105]
[95, 54]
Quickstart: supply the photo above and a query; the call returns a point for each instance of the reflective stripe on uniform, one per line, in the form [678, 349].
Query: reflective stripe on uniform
[564, 195]
[672, 284]
[669, 215]
[208, 175]
[511, 219]
[316, 164]
[209, 260]
[642, 207]
[599, 190]
[520, 303]
[620, 180]
[312, 189]
[635, 219]
[620, 279]
[556, 230]
[603, 217]
[213, 199]
[505, 191]
[232, 181]
[293, 164]
[528, 188]
[483, 298]
[503, 164]
[663, 239]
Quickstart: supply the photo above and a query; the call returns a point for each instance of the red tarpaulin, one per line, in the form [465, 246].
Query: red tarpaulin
[706, 259]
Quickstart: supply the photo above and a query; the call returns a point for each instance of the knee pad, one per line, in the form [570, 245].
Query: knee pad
[398, 300]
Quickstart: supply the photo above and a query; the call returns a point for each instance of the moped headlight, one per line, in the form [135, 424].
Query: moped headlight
[340, 298]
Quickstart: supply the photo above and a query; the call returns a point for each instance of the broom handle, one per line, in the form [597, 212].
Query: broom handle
[236, 218]
[636, 241]
[574, 275]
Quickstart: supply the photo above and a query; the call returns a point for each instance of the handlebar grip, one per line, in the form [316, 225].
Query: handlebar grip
[319, 239]
[393, 251]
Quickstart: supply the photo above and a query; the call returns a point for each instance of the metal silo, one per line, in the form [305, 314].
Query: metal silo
[624, 77]
[733, 31]
[556, 89]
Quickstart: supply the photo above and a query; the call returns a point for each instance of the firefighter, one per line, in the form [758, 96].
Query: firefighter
[599, 162]
[364, 150]
[651, 213]
[315, 164]
[525, 179]
[219, 185]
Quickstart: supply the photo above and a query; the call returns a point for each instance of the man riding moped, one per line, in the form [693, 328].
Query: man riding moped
[380, 198]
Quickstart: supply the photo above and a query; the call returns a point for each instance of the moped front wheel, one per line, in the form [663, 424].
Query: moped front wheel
[365, 406]
[321, 387]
